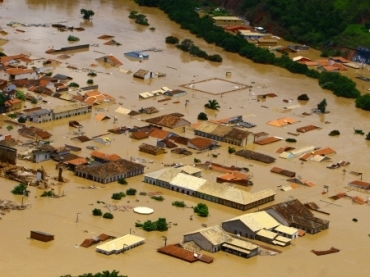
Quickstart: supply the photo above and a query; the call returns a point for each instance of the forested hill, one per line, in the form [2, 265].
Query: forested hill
[343, 23]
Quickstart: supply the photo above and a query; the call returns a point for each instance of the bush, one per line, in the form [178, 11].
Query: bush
[12, 115]
[73, 38]
[49, 193]
[143, 193]
[20, 189]
[291, 140]
[231, 150]
[354, 219]
[9, 127]
[34, 101]
[139, 224]
[73, 85]
[367, 136]
[152, 29]
[108, 216]
[201, 209]
[122, 181]
[91, 74]
[97, 212]
[21, 120]
[197, 160]
[180, 204]
[359, 132]
[90, 81]
[334, 133]
[118, 195]
[149, 226]
[303, 97]
[131, 191]
[202, 116]
[172, 40]
[157, 198]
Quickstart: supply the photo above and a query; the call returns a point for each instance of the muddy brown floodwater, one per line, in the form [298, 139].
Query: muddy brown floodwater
[24, 257]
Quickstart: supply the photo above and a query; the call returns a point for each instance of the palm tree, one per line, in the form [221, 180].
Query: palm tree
[212, 104]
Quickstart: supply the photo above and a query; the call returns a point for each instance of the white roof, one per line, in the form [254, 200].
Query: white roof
[188, 181]
[165, 174]
[190, 169]
[299, 58]
[285, 155]
[319, 158]
[158, 91]
[226, 18]
[257, 221]
[302, 150]
[146, 94]
[215, 234]
[267, 234]
[249, 33]
[119, 243]
[286, 230]
[122, 110]
[143, 210]
[165, 89]
[283, 239]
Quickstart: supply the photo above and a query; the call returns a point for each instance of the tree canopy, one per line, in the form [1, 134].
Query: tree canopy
[86, 13]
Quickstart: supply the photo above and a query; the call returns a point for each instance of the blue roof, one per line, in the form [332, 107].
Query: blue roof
[137, 54]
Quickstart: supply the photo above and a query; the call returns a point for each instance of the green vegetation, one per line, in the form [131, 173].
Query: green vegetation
[20, 95]
[73, 85]
[139, 18]
[291, 140]
[292, 15]
[34, 100]
[322, 106]
[363, 102]
[159, 225]
[334, 133]
[2, 54]
[9, 127]
[157, 198]
[49, 193]
[359, 132]
[196, 160]
[108, 216]
[213, 105]
[188, 46]
[201, 209]
[49, 74]
[303, 97]
[118, 195]
[202, 116]
[105, 273]
[86, 13]
[20, 189]
[172, 40]
[91, 74]
[12, 115]
[90, 81]
[131, 191]
[180, 204]
[143, 193]
[97, 212]
[231, 150]
[152, 29]
[354, 219]
[367, 136]
[122, 181]
[73, 38]
[22, 120]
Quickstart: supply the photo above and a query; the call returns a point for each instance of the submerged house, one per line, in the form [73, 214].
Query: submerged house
[260, 226]
[109, 172]
[294, 214]
[213, 239]
[110, 59]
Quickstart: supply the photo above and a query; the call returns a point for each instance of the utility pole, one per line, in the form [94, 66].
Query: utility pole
[165, 240]
[77, 217]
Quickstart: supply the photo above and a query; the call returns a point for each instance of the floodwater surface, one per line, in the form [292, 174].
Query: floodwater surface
[24, 257]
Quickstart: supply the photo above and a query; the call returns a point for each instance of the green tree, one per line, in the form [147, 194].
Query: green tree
[9, 127]
[118, 195]
[105, 273]
[131, 191]
[322, 106]
[303, 97]
[20, 95]
[172, 40]
[73, 38]
[212, 104]
[363, 102]
[180, 204]
[97, 212]
[231, 150]
[149, 226]
[108, 216]
[367, 136]
[162, 224]
[73, 85]
[201, 209]
[90, 81]
[20, 189]
[86, 13]
[202, 116]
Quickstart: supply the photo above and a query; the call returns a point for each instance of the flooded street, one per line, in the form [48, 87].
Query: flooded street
[25, 257]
